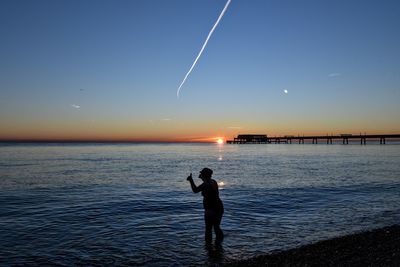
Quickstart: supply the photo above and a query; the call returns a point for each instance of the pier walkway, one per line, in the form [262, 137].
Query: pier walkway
[328, 139]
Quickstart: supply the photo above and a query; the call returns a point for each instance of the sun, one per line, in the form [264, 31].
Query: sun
[220, 141]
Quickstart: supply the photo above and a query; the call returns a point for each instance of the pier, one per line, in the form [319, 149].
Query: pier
[328, 139]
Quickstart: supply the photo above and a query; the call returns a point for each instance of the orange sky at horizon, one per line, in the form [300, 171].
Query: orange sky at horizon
[179, 131]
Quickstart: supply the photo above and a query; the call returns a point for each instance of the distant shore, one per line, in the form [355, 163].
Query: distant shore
[380, 247]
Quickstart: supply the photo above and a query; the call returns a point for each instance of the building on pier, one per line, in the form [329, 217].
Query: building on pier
[249, 139]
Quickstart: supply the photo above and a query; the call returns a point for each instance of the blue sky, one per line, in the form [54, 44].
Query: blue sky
[121, 62]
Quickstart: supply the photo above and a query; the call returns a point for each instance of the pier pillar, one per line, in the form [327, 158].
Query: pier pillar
[363, 141]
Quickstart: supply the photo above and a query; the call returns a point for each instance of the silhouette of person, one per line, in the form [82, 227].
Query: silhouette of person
[213, 207]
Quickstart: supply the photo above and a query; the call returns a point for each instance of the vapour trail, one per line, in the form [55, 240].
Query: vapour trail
[204, 45]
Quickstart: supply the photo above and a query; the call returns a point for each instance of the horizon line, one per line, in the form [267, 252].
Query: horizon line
[173, 140]
[97, 141]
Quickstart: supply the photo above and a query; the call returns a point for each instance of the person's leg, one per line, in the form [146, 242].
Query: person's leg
[209, 216]
[219, 235]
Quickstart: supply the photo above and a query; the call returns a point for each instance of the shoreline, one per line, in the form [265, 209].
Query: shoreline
[378, 247]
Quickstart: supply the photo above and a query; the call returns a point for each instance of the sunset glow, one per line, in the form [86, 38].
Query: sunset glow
[69, 83]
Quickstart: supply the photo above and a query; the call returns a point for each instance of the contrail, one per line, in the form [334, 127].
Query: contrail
[204, 45]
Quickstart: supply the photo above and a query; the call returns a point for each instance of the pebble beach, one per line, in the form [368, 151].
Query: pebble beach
[379, 247]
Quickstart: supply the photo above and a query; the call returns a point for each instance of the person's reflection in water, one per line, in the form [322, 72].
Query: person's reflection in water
[213, 207]
[215, 253]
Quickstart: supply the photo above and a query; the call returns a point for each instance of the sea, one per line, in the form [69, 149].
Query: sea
[129, 204]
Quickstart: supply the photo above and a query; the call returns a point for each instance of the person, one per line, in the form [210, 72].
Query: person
[213, 206]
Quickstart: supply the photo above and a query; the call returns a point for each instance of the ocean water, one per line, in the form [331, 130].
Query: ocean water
[130, 204]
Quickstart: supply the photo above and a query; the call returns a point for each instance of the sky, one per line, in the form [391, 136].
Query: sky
[110, 70]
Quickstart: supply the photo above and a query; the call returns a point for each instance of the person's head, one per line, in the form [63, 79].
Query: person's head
[205, 173]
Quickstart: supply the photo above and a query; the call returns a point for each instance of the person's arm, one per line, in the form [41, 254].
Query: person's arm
[195, 188]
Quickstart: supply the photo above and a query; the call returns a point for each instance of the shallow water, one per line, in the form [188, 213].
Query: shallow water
[130, 204]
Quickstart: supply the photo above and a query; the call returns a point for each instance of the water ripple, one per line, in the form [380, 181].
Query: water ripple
[130, 205]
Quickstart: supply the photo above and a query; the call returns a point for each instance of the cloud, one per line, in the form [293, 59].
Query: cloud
[158, 121]
[76, 106]
[234, 127]
[335, 74]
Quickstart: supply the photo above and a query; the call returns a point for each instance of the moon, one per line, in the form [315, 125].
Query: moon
[285, 91]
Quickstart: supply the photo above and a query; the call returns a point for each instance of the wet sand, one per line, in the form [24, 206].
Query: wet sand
[380, 247]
